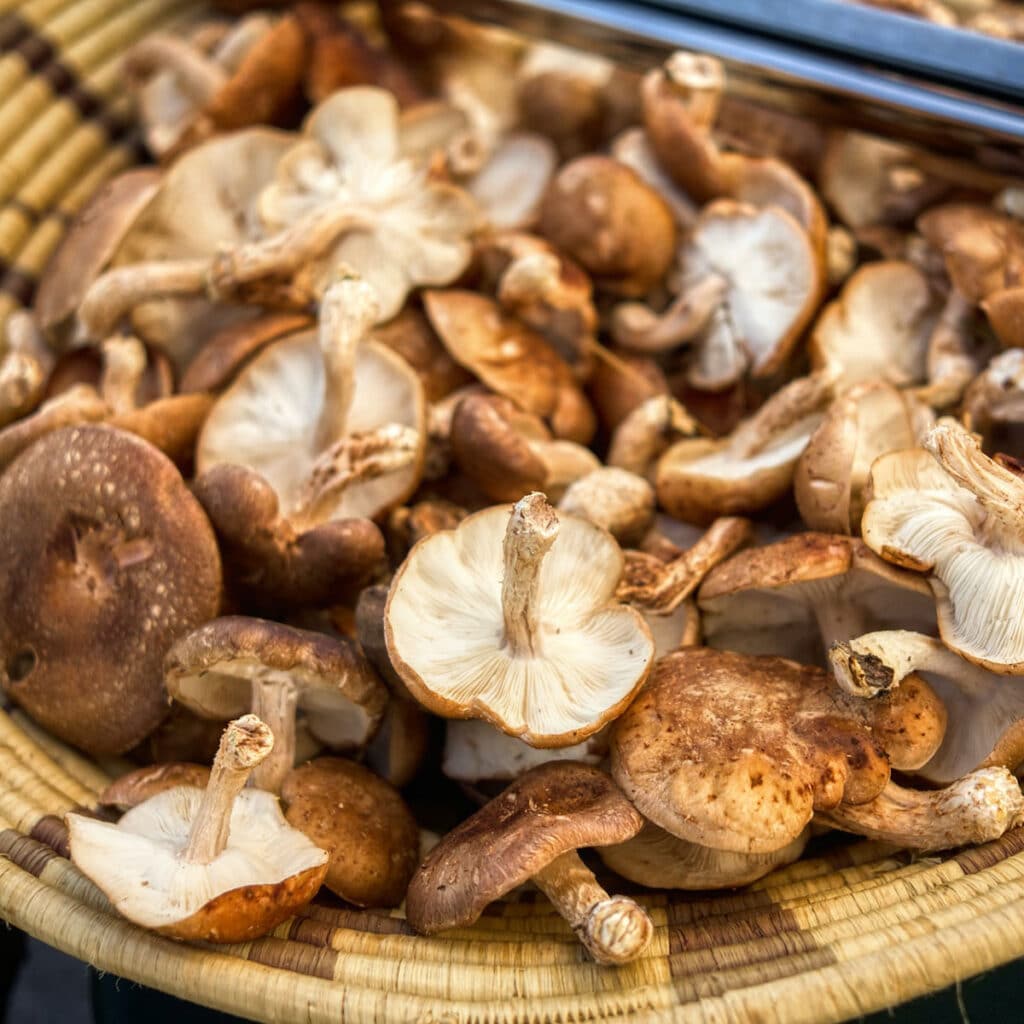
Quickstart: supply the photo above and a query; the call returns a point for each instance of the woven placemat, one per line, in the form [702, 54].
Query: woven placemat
[828, 938]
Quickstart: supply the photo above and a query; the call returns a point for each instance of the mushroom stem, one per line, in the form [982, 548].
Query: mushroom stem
[124, 363]
[347, 312]
[699, 80]
[977, 808]
[532, 529]
[195, 74]
[838, 620]
[117, 292]
[787, 407]
[614, 929]
[637, 327]
[244, 744]
[647, 431]
[878, 662]
[275, 699]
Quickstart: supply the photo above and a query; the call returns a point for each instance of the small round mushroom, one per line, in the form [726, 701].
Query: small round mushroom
[951, 511]
[986, 710]
[537, 644]
[798, 596]
[335, 423]
[236, 664]
[645, 433]
[738, 752]
[532, 831]
[213, 865]
[615, 499]
[656, 858]
[632, 149]
[612, 223]
[370, 835]
[105, 560]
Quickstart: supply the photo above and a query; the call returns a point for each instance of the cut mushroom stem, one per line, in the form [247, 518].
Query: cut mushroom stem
[124, 363]
[786, 408]
[977, 808]
[614, 929]
[275, 700]
[531, 531]
[698, 80]
[245, 744]
[195, 74]
[637, 327]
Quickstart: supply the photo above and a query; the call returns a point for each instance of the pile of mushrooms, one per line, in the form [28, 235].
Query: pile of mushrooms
[521, 462]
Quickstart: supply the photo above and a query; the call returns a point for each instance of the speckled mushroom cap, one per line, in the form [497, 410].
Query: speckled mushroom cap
[737, 752]
[211, 670]
[105, 560]
[549, 811]
[799, 595]
[362, 822]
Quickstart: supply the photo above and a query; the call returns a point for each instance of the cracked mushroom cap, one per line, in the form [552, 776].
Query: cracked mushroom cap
[247, 872]
[551, 810]
[796, 597]
[879, 327]
[212, 670]
[954, 513]
[511, 618]
[362, 822]
[105, 560]
[737, 752]
[320, 415]
[656, 858]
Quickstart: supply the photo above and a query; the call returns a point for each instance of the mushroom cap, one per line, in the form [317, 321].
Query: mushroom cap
[549, 811]
[132, 789]
[656, 858]
[105, 560]
[1005, 312]
[362, 822]
[267, 871]
[922, 518]
[211, 670]
[268, 421]
[737, 752]
[591, 654]
[764, 600]
[510, 186]
[773, 276]
[878, 328]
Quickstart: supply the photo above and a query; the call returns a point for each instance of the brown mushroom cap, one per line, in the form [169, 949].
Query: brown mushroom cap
[547, 812]
[362, 822]
[608, 219]
[737, 752]
[211, 672]
[132, 789]
[105, 560]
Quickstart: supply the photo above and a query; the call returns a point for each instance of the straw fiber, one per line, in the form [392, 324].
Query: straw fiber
[829, 938]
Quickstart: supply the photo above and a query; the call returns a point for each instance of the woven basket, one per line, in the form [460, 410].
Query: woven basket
[823, 940]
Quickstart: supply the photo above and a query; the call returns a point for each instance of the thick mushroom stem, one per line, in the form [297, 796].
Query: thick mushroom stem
[614, 929]
[531, 531]
[637, 327]
[116, 293]
[977, 808]
[998, 491]
[647, 432]
[347, 312]
[245, 743]
[124, 363]
[700, 81]
[275, 700]
[796, 401]
[199, 77]
[838, 619]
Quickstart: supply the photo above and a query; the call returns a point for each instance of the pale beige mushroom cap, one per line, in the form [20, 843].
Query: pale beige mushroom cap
[446, 634]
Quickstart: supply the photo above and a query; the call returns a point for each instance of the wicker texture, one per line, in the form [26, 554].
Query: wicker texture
[823, 940]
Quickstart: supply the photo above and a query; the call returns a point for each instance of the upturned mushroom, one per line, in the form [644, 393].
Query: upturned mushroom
[214, 865]
[687, 752]
[235, 664]
[949, 510]
[798, 596]
[334, 422]
[371, 837]
[532, 832]
[986, 710]
[698, 480]
[106, 560]
[536, 644]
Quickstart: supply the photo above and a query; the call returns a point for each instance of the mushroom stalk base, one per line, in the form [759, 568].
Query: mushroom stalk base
[245, 743]
[614, 929]
[275, 699]
[531, 531]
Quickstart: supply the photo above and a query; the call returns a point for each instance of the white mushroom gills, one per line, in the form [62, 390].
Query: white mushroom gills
[246, 742]
[532, 529]
[615, 929]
